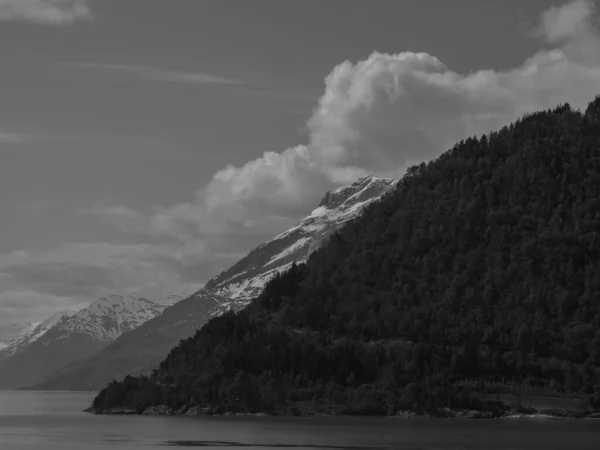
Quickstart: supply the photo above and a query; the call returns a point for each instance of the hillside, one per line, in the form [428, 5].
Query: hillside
[141, 350]
[70, 336]
[476, 276]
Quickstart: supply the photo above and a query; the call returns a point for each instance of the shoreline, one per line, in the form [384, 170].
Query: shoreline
[546, 414]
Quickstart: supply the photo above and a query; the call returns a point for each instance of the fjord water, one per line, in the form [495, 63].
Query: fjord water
[53, 420]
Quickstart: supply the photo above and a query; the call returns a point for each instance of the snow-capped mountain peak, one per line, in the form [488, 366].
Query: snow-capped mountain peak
[109, 317]
[364, 188]
[236, 286]
[74, 335]
[50, 322]
[104, 320]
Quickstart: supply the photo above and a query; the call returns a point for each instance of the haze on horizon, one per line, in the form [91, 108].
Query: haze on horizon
[146, 140]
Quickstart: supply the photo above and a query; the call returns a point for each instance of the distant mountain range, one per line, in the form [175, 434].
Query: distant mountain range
[140, 350]
[36, 350]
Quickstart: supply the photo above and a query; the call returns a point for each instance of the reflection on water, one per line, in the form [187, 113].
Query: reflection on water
[54, 421]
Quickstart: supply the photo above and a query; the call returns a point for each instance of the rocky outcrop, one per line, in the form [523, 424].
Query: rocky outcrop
[161, 410]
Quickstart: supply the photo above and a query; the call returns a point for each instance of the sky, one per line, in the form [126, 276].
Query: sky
[146, 141]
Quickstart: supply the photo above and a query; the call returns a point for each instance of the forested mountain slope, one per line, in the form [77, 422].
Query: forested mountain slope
[478, 274]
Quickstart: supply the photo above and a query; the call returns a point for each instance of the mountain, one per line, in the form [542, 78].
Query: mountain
[245, 280]
[141, 350]
[72, 335]
[31, 333]
[12, 332]
[476, 277]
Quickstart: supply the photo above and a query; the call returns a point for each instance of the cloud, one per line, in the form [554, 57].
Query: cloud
[560, 23]
[23, 306]
[12, 138]
[190, 241]
[161, 74]
[574, 27]
[378, 116]
[36, 284]
[45, 12]
[263, 89]
[78, 272]
[125, 218]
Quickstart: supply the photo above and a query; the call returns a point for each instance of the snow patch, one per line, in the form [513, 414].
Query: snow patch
[237, 275]
[319, 212]
[251, 287]
[291, 249]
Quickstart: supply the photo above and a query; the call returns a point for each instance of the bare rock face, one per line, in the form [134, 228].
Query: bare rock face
[161, 410]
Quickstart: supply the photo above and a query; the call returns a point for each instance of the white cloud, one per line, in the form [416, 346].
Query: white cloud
[382, 114]
[560, 23]
[11, 138]
[35, 284]
[574, 27]
[78, 272]
[23, 306]
[45, 12]
[161, 74]
[120, 216]
[165, 75]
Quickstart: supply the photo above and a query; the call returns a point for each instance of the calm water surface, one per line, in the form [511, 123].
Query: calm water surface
[53, 421]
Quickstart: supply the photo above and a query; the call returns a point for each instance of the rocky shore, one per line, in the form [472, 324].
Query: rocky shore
[508, 413]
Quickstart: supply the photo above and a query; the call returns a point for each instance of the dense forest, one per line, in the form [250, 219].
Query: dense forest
[478, 275]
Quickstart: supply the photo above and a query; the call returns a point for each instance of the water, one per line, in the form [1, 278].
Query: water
[53, 421]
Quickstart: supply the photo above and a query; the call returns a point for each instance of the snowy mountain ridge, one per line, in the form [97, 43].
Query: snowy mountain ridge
[236, 286]
[143, 349]
[104, 320]
[109, 317]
